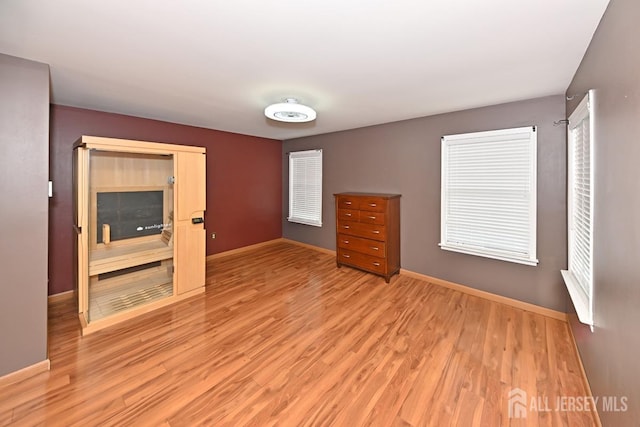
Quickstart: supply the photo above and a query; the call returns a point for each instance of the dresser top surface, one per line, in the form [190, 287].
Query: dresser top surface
[356, 194]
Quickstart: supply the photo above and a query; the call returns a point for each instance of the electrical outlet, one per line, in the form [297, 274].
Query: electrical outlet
[213, 235]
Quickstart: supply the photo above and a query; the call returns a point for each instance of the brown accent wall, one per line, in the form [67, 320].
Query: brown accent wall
[24, 150]
[244, 195]
[611, 67]
[404, 157]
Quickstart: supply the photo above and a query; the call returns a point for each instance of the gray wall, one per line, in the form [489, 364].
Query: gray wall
[404, 157]
[24, 150]
[611, 67]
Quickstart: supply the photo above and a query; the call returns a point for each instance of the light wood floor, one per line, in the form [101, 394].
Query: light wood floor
[283, 337]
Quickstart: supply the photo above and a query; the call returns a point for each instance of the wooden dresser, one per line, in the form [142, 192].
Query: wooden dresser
[368, 232]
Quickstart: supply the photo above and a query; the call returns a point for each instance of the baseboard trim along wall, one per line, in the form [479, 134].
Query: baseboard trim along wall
[585, 379]
[306, 245]
[243, 249]
[24, 373]
[62, 296]
[462, 288]
[488, 295]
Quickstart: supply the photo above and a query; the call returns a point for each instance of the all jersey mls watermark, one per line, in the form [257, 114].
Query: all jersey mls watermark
[520, 404]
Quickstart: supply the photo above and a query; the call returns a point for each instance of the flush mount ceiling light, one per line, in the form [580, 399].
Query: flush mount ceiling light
[290, 111]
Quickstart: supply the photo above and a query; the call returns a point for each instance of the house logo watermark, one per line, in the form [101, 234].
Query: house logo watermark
[517, 403]
[520, 404]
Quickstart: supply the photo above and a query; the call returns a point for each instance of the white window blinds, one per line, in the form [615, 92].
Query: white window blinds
[579, 276]
[305, 187]
[488, 195]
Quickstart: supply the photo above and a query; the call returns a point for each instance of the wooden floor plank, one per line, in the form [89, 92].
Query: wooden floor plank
[283, 337]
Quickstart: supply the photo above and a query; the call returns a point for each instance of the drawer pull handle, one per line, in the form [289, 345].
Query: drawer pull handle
[377, 264]
[373, 205]
[376, 232]
[346, 242]
[347, 214]
[345, 226]
[347, 203]
[374, 248]
[371, 217]
[346, 256]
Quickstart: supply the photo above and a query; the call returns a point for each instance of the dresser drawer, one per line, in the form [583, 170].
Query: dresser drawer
[365, 246]
[348, 214]
[345, 202]
[356, 259]
[369, 217]
[368, 231]
[372, 204]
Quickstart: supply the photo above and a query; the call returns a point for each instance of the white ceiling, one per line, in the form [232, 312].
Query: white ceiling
[217, 64]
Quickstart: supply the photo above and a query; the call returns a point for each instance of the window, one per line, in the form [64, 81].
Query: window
[579, 276]
[305, 187]
[488, 205]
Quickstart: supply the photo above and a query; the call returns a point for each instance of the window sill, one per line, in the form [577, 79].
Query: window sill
[305, 222]
[579, 299]
[486, 254]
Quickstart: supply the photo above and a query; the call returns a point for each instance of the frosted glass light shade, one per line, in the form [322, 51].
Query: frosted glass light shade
[290, 111]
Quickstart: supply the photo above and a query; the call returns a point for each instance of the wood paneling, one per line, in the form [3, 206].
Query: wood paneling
[190, 237]
[117, 169]
[283, 337]
[190, 256]
[191, 181]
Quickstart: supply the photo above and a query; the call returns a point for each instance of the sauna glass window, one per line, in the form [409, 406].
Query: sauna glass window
[130, 214]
